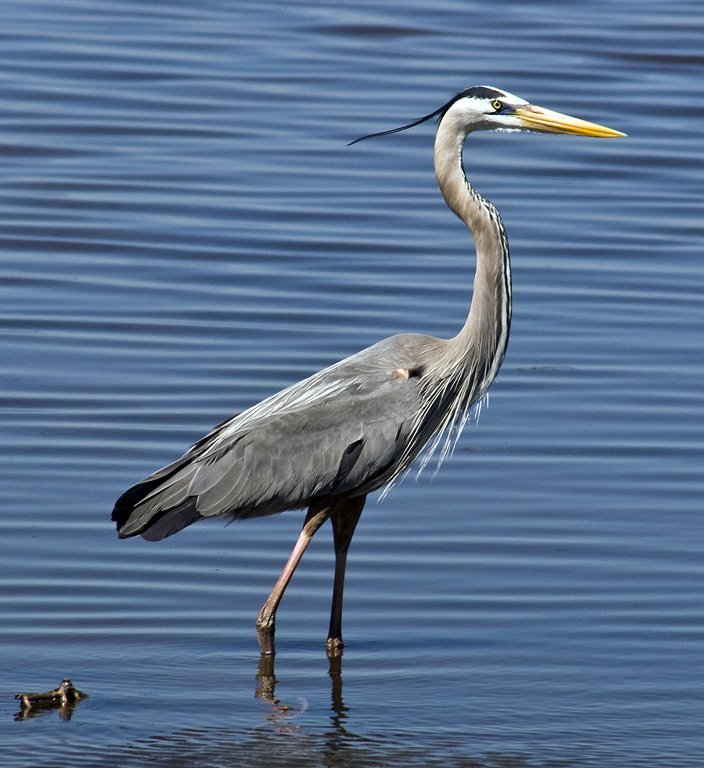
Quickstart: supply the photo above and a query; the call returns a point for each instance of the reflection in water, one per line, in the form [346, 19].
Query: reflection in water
[280, 712]
[266, 680]
[184, 231]
[64, 711]
[281, 741]
[266, 690]
[338, 706]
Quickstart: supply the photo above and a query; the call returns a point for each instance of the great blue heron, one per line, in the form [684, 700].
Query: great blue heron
[329, 440]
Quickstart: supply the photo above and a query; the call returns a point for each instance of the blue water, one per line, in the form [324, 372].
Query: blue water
[183, 231]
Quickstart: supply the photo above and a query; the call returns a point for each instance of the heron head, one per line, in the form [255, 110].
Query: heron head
[485, 108]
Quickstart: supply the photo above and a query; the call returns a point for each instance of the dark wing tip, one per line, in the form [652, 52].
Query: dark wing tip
[132, 497]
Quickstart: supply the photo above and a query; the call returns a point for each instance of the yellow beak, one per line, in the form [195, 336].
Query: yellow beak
[538, 119]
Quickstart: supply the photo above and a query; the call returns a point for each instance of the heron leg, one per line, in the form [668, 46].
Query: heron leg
[266, 620]
[344, 520]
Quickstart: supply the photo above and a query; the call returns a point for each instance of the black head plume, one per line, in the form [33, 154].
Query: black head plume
[420, 120]
[476, 92]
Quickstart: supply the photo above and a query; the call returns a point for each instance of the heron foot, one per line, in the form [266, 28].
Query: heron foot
[266, 642]
[334, 647]
[266, 626]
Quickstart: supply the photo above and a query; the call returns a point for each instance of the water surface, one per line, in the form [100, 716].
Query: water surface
[183, 231]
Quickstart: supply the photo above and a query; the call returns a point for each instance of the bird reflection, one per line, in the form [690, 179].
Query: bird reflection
[280, 711]
[266, 680]
[339, 710]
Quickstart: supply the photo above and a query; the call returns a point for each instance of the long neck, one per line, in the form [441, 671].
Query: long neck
[481, 344]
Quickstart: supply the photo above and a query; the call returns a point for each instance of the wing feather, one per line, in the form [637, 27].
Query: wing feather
[341, 431]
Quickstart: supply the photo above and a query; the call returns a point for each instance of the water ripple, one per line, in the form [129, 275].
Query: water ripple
[184, 231]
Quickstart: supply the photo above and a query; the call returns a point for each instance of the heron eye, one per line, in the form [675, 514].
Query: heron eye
[497, 105]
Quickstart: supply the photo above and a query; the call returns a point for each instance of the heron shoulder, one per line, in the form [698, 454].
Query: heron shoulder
[392, 360]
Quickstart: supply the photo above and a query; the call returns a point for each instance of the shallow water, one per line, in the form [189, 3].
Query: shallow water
[183, 231]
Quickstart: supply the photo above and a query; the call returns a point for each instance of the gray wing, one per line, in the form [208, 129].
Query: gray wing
[339, 432]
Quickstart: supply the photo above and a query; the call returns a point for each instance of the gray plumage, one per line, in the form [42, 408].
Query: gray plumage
[329, 440]
[343, 430]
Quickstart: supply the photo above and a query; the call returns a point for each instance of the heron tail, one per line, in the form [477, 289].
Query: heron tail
[159, 505]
